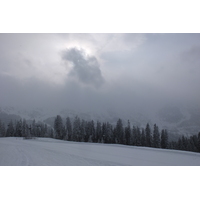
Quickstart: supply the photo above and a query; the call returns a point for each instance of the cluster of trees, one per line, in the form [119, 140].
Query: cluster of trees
[187, 144]
[88, 131]
[23, 129]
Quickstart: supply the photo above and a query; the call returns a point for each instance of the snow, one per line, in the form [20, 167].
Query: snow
[52, 152]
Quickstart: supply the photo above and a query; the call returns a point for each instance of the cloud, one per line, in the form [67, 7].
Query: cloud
[191, 59]
[85, 67]
[99, 43]
[99, 71]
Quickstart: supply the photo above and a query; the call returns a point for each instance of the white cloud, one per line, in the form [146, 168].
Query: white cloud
[84, 67]
[129, 68]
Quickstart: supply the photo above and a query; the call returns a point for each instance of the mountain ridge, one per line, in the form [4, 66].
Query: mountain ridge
[176, 120]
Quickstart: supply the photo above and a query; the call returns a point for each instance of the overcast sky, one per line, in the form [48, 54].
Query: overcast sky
[121, 72]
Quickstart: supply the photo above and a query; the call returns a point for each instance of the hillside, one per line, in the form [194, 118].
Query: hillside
[52, 152]
[177, 120]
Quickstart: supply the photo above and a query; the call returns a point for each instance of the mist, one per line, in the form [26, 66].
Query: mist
[100, 72]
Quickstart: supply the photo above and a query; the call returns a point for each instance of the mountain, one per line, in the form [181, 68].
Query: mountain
[6, 116]
[184, 120]
[176, 119]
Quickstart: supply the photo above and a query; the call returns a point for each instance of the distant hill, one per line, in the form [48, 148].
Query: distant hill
[177, 120]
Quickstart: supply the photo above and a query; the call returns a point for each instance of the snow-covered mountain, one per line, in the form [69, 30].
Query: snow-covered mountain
[46, 114]
[177, 120]
[183, 120]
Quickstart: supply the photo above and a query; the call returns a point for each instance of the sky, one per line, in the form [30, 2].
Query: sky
[120, 72]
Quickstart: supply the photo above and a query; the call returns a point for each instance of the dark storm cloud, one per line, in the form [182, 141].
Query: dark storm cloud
[84, 67]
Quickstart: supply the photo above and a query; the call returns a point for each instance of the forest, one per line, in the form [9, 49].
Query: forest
[80, 130]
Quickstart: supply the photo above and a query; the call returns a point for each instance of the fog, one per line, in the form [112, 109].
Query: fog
[100, 72]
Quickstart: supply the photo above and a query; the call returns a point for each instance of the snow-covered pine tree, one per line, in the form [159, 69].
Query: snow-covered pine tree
[109, 133]
[24, 128]
[134, 136]
[92, 132]
[138, 136]
[156, 137]
[198, 142]
[33, 126]
[143, 139]
[18, 128]
[69, 128]
[82, 130]
[119, 132]
[128, 133]
[10, 130]
[104, 132]
[76, 129]
[2, 129]
[98, 131]
[58, 127]
[164, 139]
[148, 136]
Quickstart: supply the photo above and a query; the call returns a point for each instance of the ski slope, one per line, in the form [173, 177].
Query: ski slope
[52, 152]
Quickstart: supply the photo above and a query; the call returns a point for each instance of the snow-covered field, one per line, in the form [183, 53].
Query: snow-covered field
[52, 152]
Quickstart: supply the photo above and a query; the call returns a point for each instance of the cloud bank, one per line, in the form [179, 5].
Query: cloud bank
[100, 71]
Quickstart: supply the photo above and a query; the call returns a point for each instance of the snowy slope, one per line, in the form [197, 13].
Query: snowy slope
[51, 152]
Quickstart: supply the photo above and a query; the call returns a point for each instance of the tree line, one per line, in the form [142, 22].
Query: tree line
[88, 131]
[21, 128]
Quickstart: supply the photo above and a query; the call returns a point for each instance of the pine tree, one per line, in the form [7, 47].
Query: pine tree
[109, 133]
[148, 136]
[38, 130]
[193, 143]
[119, 132]
[128, 133]
[42, 131]
[180, 144]
[76, 129]
[184, 142]
[51, 133]
[24, 128]
[18, 129]
[58, 127]
[143, 139]
[10, 130]
[82, 130]
[198, 142]
[156, 137]
[104, 132]
[134, 136]
[98, 132]
[164, 140]
[2, 129]
[33, 128]
[87, 131]
[138, 137]
[92, 132]
[64, 133]
[69, 128]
